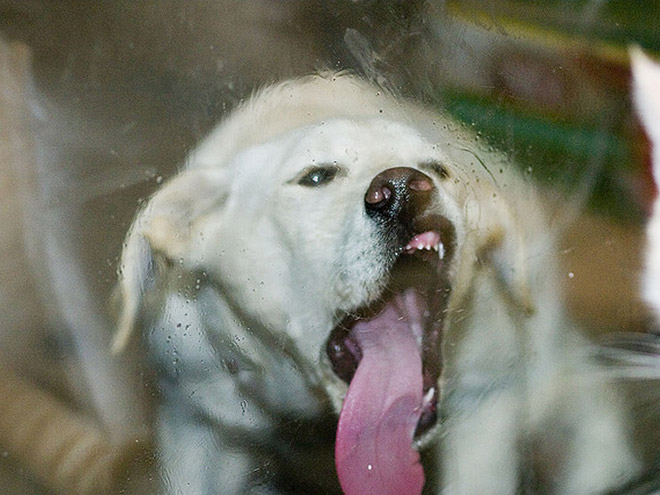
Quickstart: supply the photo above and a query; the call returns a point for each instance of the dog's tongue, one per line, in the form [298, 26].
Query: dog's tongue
[373, 452]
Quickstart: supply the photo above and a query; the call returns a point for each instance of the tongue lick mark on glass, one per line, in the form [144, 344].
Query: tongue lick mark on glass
[373, 451]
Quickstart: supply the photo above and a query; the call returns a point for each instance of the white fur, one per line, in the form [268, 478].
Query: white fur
[237, 276]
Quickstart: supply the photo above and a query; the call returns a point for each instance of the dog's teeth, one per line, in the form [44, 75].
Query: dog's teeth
[429, 396]
[439, 248]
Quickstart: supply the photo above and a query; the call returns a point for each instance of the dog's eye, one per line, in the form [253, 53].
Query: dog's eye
[437, 168]
[318, 176]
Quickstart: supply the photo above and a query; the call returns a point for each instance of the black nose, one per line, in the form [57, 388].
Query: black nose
[398, 193]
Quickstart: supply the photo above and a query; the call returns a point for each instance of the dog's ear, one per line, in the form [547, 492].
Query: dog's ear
[507, 253]
[646, 90]
[501, 245]
[163, 232]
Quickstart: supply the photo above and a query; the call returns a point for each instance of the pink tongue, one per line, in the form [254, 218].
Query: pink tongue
[373, 452]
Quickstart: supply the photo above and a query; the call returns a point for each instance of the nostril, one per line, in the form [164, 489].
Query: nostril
[378, 195]
[420, 185]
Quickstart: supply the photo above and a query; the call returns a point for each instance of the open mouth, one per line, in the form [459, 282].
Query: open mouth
[389, 354]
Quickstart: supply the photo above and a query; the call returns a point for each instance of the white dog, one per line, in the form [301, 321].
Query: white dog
[329, 233]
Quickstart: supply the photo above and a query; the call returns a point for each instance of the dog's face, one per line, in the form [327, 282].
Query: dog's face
[344, 240]
[319, 228]
[308, 244]
[305, 194]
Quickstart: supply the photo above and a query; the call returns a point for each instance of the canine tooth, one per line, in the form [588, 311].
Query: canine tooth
[429, 395]
[441, 250]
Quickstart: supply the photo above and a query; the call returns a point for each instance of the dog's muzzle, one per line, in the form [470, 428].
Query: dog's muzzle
[389, 350]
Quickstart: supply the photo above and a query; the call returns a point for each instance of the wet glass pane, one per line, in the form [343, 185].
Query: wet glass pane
[445, 207]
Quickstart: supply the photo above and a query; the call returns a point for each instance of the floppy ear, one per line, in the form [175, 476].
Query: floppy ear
[646, 91]
[499, 244]
[162, 231]
[502, 247]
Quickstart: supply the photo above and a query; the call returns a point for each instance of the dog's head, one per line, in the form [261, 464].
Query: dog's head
[325, 207]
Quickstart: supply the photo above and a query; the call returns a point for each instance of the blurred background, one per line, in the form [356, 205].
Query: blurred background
[101, 101]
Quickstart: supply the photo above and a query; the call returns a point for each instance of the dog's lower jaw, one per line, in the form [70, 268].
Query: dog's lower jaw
[392, 396]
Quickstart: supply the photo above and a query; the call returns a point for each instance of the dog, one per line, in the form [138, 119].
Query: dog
[332, 249]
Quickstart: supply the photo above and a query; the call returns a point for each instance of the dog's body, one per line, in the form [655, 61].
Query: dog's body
[292, 221]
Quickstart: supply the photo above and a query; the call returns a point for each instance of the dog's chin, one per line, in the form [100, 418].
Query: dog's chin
[416, 292]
